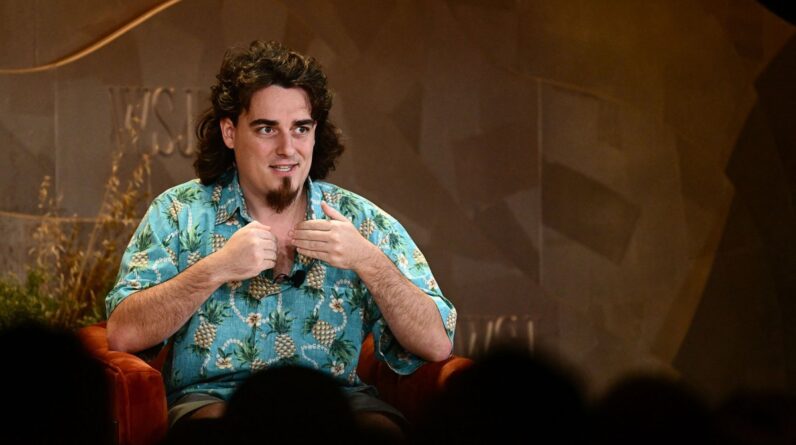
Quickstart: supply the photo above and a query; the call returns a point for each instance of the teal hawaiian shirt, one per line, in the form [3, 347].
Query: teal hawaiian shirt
[245, 326]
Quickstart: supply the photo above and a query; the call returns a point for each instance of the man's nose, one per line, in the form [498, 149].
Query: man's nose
[285, 146]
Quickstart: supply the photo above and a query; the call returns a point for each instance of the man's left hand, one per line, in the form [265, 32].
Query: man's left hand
[335, 241]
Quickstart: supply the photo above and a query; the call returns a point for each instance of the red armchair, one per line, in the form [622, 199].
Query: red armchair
[139, 398]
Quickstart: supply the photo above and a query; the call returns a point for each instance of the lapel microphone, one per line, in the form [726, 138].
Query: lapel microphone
[295, 280]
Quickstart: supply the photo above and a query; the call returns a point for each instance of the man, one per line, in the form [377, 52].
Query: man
[259, 264]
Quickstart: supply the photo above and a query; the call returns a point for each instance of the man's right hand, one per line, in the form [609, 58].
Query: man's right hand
[248, 252]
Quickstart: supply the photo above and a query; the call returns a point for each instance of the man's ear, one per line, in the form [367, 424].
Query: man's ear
[228, 132]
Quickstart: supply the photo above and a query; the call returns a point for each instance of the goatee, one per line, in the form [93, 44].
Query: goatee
[281, 198]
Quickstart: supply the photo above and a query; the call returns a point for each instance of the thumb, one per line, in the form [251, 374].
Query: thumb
[332, 213]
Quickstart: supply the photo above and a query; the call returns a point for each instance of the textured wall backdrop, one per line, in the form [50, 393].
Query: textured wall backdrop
[612, 180]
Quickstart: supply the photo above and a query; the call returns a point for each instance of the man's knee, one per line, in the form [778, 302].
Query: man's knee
[211, 411]
[378, 425]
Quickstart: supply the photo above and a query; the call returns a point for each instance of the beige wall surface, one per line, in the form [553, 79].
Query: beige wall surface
[611, 181]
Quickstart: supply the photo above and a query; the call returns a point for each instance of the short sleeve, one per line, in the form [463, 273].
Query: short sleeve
[150, 258]
[398, 246]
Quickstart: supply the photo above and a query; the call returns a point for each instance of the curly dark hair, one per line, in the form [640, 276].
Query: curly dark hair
[245, 71]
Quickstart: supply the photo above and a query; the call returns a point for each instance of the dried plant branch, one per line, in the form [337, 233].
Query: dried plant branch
[68, 280]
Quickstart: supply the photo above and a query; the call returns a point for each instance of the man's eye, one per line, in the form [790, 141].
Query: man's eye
[267, 130]
[302, 130]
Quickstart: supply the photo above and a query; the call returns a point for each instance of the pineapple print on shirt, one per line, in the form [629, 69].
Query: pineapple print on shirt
[211, 317]
[143, 241]
[191, 241]
[183, 197]
[279, 323]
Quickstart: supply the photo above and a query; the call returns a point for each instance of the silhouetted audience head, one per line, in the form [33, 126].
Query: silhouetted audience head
[290, 404]
[55, 390]
[509, 396]
[650, 410]
[756, 418]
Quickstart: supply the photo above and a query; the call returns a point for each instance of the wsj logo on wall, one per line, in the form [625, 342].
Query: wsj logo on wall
[477, 334]
[158, 120]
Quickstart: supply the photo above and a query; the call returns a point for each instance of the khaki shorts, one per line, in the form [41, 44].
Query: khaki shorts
[361, 400]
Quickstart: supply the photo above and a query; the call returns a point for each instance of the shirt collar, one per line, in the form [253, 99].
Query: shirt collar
[232, 199]
[314, 198]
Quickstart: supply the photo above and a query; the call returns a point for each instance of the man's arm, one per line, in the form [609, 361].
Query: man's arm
[411, 314]
[147, 317]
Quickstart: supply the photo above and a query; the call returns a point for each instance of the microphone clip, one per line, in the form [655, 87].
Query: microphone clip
[295, 280]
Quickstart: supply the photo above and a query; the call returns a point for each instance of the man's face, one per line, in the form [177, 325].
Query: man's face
[273, 144]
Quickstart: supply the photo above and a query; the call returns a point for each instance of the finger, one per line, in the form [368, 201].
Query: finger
[264, 243]
[312, 254]
[332, 213]
[314, 224]
[318, 246]
[268, 236]
[269, 247]
[310, 235]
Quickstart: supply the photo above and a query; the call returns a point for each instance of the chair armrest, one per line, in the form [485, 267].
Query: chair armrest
[409, 393]
[138, 397]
